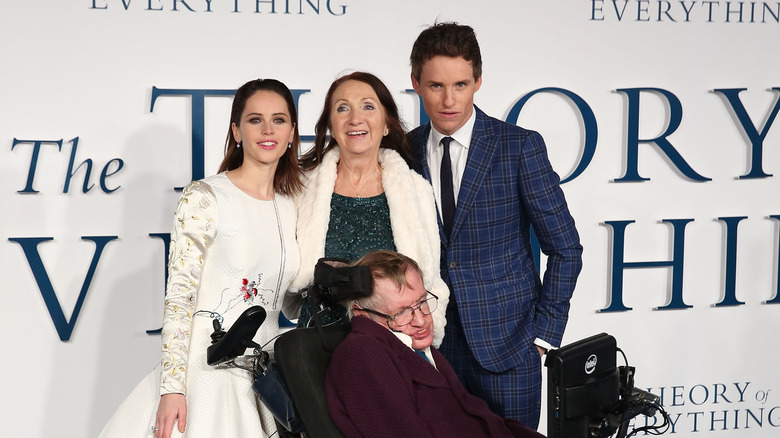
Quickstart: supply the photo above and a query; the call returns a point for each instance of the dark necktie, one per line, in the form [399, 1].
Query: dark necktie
[421, 353]
[447, 192]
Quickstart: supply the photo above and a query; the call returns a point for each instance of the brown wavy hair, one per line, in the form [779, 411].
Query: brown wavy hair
[287, 179]
[395, 139]
[446, 39]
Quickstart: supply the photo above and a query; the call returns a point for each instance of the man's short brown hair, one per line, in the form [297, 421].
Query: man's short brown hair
[446, 39]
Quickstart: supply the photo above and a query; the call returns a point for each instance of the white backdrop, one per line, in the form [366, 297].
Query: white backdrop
[77, 77]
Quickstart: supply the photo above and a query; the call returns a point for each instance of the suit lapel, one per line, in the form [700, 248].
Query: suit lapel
[481, 151]
[420, 141]
[420, 371]
[423, 372]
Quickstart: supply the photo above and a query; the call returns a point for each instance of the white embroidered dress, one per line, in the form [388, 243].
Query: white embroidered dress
[228, 252]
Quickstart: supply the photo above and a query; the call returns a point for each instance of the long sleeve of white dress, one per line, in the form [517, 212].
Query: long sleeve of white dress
[194, 228]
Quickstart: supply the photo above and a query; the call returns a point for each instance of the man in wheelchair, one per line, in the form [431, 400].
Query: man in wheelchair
[378, 377]
[385, 379]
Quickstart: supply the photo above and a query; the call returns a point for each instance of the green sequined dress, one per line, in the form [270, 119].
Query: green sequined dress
[356, 227]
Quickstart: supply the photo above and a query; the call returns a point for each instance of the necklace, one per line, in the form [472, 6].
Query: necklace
[357, 190]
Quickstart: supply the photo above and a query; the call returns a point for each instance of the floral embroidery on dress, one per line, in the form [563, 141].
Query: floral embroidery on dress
[247, 292]
[250, 291]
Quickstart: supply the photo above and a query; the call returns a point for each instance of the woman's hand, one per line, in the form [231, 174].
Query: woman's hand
[172, 406]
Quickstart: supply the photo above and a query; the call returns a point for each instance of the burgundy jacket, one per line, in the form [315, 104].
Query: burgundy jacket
[379, 387]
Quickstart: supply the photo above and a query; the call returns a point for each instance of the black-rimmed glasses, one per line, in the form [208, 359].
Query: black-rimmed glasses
[405, 316]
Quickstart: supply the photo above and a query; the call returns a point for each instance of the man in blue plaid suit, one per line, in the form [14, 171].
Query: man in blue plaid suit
[501, 317]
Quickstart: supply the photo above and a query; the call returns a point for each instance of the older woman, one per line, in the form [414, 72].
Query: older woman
[360, 194]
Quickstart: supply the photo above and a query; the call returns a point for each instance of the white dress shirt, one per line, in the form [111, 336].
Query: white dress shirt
[459, 153]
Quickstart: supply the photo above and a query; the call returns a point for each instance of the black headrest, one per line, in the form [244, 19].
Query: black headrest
[334, 277]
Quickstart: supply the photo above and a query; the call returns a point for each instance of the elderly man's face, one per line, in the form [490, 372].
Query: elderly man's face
[421, 327]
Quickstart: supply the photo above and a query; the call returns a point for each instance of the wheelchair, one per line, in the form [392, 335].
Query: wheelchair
[292, 385]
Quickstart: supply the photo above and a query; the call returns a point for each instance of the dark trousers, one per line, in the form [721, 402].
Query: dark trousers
[513, 393]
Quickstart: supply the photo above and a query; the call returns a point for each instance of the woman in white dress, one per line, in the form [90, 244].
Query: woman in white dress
[232, 246]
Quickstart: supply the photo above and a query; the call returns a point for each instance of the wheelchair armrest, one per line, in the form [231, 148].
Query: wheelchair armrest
[237, 339]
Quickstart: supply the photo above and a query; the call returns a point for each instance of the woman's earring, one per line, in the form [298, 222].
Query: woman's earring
[289, 145]
[238, 144]
[387, 131]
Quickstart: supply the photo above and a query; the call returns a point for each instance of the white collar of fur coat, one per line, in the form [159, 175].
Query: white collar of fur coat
[404, 198]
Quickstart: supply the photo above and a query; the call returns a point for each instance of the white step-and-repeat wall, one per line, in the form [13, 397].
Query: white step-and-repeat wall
[659, 116]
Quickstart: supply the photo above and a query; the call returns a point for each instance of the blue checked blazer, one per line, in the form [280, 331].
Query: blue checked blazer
[507, 188]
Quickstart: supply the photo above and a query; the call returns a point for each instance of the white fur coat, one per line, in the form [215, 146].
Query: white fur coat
[412, 218]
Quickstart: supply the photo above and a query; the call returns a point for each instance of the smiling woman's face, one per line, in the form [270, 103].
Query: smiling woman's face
[357, 119]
